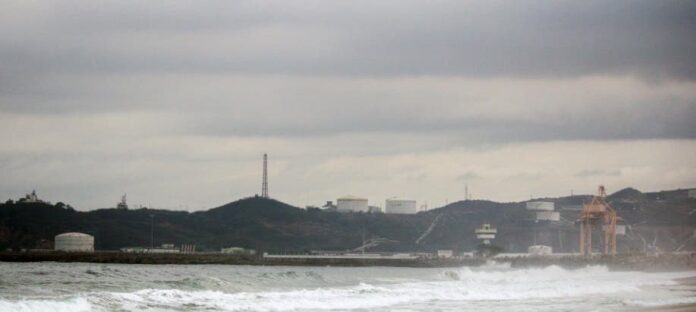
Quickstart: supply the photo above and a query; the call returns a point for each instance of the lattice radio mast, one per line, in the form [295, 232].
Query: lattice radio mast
[264, 184]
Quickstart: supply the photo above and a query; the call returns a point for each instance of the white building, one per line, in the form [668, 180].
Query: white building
[486, 233]
[620, 229]
[351, 203]
[32, 198]
[401, 206]
[445, 253]
[548, 216]
[540, 206]
[238, 251]
[691, 193]
[74, 242]
[539, 250]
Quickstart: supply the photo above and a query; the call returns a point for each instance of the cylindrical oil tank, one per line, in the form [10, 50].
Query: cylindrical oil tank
[400, 206]
[74, 242]
[540, 206]
[351, 203]
[548, 216]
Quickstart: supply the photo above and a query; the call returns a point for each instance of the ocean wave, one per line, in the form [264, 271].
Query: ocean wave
[230, 288]
[531, 284]
[74, 304]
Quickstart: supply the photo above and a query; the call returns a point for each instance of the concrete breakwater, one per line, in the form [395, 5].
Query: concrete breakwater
[665, 262]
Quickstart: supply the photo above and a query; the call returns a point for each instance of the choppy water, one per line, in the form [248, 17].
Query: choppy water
[113, 287]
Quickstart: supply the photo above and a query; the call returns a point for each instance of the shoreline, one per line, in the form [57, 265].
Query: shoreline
[625, 262]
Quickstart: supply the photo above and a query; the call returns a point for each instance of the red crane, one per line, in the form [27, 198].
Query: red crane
[598, 212]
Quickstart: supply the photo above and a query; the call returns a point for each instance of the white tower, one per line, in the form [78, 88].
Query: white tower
[486, 232]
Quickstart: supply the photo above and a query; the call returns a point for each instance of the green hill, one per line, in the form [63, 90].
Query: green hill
[271, 225]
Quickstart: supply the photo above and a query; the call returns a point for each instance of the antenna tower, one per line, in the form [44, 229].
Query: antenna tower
[264, 184]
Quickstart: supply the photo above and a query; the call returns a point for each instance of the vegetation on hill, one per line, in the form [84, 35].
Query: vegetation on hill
[270, 225]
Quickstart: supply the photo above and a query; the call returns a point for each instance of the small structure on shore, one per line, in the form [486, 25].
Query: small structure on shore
[163, 249]
[445, 253]
[74, 241]
[539, 250]
[238, 251]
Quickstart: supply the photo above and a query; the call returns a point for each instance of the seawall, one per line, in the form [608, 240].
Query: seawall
[666, 262]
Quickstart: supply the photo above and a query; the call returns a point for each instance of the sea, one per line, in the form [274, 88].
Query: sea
[77, 287]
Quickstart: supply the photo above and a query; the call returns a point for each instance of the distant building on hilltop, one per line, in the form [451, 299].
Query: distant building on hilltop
[329, 206]
[31, 198]
[122, 204]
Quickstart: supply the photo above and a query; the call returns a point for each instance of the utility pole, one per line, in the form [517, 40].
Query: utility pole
[152, 232]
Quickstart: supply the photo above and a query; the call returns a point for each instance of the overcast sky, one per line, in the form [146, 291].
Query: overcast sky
[174, 102]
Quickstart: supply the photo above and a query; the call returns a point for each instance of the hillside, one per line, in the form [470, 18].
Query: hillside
[267, 224]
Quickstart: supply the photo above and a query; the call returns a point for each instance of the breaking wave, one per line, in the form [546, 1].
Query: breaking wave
[75, 304]
[376, 288]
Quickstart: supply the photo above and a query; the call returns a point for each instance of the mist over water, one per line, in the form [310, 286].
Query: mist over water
[111, 287]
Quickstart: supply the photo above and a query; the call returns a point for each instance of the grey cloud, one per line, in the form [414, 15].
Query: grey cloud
[651, 39]
[175, 62]
[597, 172]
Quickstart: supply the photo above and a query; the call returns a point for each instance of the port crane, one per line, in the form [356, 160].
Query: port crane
[598, 212]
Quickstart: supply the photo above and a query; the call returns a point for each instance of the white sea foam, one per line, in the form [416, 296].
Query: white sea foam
[473, 285]
[75, 304]
[233, 288]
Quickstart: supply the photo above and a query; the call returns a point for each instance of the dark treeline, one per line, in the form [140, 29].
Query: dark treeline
[665, 219]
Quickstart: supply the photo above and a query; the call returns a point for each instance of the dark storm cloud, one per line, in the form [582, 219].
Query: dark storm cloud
[652, 39]
[87, 57]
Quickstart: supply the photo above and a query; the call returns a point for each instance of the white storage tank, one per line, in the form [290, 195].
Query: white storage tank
[548, 216]
[74, 242]
[401, 206]
[540, 206]
[351, 203]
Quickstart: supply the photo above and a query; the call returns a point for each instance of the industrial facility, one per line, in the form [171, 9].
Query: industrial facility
[351, 204]
[544, 211]
[598, 211]
[74, 242]
[404, 206]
